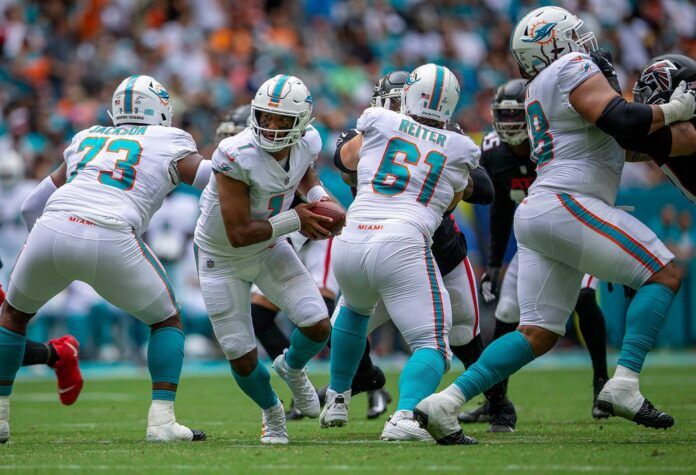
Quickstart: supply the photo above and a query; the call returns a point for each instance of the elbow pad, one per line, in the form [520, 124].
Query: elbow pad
[483, 187]
[340, 142]
[658, 144]
[625, 120]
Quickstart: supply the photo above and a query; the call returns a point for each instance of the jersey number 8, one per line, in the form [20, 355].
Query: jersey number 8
[126, 166]
[392, 177]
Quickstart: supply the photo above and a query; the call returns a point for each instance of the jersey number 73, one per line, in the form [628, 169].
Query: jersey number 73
[392, 178]
[126, 166]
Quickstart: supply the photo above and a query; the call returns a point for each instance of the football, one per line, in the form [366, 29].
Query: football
[334, 211]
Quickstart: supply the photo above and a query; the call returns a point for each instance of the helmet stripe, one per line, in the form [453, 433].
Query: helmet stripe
[128, 95]
[278, 89]
[436, 95]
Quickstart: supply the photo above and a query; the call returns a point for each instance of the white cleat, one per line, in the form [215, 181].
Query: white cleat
[621, 397]
[4, 419]
[402, 427]
[273, 429]
[335, 413]
[162, 425]
[438, 414]
[303, 392]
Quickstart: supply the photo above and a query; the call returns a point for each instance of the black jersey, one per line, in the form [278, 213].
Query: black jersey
[449, 245]
[680, 173]
[512, 176]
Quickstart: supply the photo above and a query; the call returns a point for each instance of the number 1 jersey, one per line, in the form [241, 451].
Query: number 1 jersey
[409, 172]
[117, 177]
[572, 155]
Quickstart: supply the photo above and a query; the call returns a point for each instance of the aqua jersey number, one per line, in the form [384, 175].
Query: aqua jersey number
[125, 166]
[393, 177]
[542, 139]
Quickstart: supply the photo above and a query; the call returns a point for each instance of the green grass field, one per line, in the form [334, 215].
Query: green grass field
[104, 433]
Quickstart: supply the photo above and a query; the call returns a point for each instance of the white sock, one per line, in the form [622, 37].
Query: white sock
[453, 391]
[625, 373]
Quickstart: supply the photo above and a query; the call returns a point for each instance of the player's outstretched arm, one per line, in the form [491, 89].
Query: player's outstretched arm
[195, 170]
[677, 140]
[34, 204]
[596, 101]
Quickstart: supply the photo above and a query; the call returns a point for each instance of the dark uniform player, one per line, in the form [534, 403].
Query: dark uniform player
[505, 154]
[656, 83]
[449, 245]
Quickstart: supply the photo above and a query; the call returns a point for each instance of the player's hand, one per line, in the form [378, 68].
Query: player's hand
[602, 58]
[311, 223]
[489, 284]
[681, 105]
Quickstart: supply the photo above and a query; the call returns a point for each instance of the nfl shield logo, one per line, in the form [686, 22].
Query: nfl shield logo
[210, 263]
[287, 180]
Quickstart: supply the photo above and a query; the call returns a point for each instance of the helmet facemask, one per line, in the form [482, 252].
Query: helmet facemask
[509, 122]
[391, 100]
[274, 140]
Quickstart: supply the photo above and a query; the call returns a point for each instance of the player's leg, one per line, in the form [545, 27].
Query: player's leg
[128, 275]
[287, 283]
[593, 329]
[263, 315]
[35, 280]
[547, 295]
[61, 355]
[226, 292]
[466, 343]
[350, 327]
[419, 305]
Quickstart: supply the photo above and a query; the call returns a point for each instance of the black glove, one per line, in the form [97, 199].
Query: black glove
[489, 284]
[340, 142]
[602, 58]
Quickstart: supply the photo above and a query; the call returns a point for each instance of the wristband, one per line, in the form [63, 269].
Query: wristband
[285, 223]
[316, 193]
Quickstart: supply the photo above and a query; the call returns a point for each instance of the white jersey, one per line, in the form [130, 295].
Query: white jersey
[409, 172]
[271, 187]
[573, 156]
[119, 176]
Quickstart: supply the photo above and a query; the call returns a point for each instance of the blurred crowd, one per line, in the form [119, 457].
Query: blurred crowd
[61, 60]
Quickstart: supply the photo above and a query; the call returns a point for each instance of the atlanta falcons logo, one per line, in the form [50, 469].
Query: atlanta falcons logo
[658, 76]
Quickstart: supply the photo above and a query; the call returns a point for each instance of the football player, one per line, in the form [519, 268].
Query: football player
[656, 83]
[410, 170]
[95, 206]
[314, 254]
[449, 251]
[60, 354]
[240, 239]
[505, 153]
[568, 226]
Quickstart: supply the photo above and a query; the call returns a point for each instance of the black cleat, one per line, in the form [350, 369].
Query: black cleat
[480, 414]
[503, 417]
[198, 435]
[458, 438]
[377, 403]
[293, 414]
[372, 382]
[648, 416]
[597, 411]
[321, 392]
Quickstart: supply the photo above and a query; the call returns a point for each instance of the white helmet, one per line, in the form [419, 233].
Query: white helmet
[11, 167]
[141, 100]
[281, 95]
[430, 92]
[546, 34]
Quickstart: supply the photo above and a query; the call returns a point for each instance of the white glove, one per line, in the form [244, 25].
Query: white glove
[681, 105]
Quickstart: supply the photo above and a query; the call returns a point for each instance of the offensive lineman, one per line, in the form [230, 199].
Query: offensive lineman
[240, 239]
[505, 155]
[567, 226]
[449, 251]
[97, 203]
[410, 171]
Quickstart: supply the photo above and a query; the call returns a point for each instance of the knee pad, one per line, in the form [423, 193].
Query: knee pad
[507, 311]
[234, 334]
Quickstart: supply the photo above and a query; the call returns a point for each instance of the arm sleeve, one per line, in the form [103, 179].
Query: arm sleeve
[628, 121]
[483, 187]
[502, 216]
[228, 163]
[577, 69]
[35, 202]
